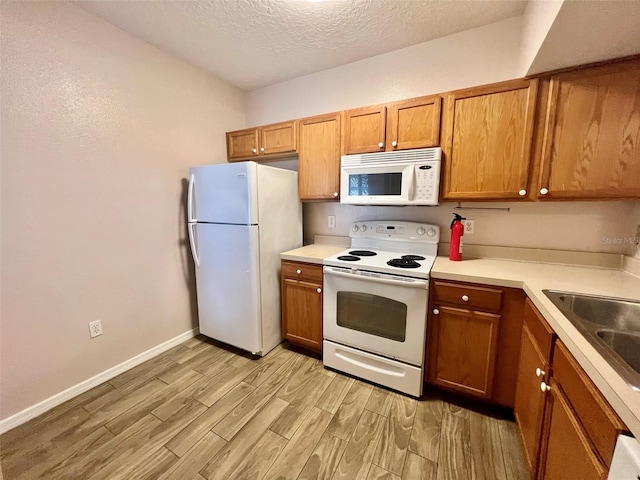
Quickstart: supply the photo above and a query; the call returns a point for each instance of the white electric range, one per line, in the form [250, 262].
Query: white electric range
[375, 303]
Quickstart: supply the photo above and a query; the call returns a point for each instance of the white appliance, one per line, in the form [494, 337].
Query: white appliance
[625, 464]
[406, 177]
[241, 216]
[375, 303]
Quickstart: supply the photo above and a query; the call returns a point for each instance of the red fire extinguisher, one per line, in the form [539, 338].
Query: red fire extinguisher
[457, 230]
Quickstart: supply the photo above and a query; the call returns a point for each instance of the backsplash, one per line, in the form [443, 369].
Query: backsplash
[578, 226]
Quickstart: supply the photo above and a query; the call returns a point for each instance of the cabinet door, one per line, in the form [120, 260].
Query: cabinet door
[591, 146]
[319, 169]
[462, 350]
[279, 138]
[567, 452]
[363, 130]
[242, 144]
[530, 399]
[302, 313]
[414, 123]
[487, 141]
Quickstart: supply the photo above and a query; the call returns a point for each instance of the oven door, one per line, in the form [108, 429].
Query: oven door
[383, 314]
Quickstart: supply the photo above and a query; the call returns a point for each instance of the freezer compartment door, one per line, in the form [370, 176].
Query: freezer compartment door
[228, 287]
[224, 193]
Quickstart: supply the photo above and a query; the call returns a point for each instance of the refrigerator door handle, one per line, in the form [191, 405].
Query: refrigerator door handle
[192, 242]
[190, 217]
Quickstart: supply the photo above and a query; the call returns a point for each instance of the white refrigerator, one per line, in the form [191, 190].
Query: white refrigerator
[241, 216]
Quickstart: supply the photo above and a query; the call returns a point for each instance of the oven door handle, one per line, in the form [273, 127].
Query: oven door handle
[399, 283]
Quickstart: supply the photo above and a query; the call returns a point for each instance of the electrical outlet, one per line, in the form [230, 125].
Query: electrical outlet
[95, 328]
[468, 227]
[331, 221]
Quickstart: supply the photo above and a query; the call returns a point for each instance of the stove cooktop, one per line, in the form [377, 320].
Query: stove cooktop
[385, 262]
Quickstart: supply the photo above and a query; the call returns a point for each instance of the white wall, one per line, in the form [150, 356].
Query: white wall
[98, 132]
[482, 55]
[537, 21]
[475, 57]
[588, 31]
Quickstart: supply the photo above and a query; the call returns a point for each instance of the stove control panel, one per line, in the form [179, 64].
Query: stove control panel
[407, 231]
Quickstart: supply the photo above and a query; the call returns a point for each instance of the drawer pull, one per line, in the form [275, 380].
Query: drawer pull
[540, 373]
[465, 298]
[544, 387]
[298, 271]
[436, 311]
[319, 290]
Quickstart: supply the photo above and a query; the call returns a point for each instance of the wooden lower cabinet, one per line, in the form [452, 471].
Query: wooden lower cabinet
[464, 350]
[470, 346]
[302, 304]
[533, 369]
[530, 399]
[568, 452]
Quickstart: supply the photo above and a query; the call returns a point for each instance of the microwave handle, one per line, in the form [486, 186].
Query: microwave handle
[412, 184]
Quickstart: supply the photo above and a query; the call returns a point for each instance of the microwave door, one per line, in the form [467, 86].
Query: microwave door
[376, 184]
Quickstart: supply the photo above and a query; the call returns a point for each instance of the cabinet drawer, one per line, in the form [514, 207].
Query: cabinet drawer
[474, 297]
[597, 417]
[307, 271]
[539, 329]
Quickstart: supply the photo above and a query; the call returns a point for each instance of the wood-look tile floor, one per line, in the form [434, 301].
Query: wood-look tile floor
[202, 411]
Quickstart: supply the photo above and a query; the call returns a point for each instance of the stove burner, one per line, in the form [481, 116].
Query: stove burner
[411, 257]
[363, 253]
[349, 258]
[403, 263]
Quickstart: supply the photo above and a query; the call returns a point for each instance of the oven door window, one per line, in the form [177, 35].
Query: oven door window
[367, 184]
[372, 314]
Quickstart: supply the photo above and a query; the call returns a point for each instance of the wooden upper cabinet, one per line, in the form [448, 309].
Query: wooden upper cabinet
[363, 130]
[242, 144]
[591, 143]
[319, 168]
[487, 138]
[279, 138]
[276, 140]
[414, 123]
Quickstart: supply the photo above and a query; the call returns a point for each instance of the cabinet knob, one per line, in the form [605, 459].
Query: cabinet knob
[465, 298]
[298, 271]
[319, 290]
[522, 192]
[436, 311]
[262, 149]
[540, 373]
[335, 194]
[394, 144]
[544, 191]
[380, 145]
[254, 150]
[544, 387]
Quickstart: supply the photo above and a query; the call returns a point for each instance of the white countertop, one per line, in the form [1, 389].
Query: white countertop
[313, 253]
[533, 278]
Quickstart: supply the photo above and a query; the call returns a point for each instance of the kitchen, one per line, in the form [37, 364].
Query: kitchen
[168, 116]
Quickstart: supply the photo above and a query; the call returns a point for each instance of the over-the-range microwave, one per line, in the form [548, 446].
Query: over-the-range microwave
[406, 177]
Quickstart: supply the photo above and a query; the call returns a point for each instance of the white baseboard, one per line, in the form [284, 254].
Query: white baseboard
[59, 398]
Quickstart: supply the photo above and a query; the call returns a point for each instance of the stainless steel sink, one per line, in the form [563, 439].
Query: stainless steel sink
[611, 325]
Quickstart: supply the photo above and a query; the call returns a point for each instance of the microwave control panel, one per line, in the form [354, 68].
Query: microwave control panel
[427, 175]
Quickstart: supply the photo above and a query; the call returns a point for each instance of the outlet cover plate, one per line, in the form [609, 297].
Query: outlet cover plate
[95, 328]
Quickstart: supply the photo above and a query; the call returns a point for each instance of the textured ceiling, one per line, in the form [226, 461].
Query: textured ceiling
[254, 43]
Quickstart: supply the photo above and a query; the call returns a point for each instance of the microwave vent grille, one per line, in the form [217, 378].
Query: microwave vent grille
[420, 155]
